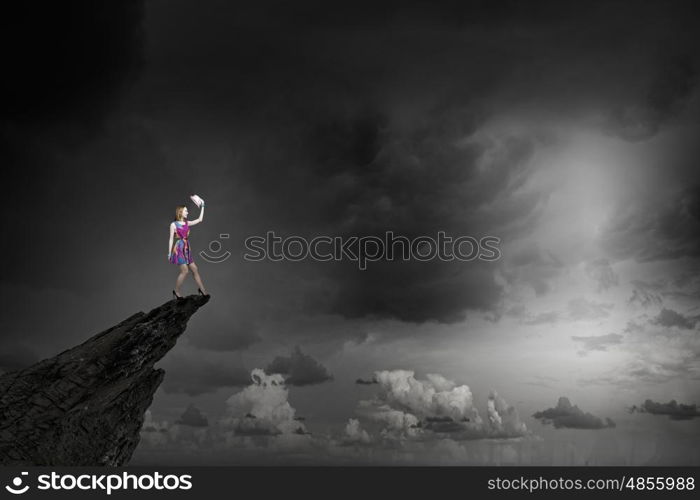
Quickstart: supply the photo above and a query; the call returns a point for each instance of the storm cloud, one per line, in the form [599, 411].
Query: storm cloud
[299, 369]
[566, 415]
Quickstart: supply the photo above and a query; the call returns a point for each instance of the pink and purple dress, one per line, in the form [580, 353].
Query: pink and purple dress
[180, 253]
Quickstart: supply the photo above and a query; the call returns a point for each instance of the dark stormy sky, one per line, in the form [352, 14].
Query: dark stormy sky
[566, 129]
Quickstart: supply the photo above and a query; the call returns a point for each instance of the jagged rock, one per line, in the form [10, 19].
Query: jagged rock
[86, 405]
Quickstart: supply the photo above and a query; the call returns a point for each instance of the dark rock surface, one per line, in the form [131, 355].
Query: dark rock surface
[86, 405]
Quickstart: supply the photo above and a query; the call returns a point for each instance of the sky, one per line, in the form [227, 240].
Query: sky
[567, 130]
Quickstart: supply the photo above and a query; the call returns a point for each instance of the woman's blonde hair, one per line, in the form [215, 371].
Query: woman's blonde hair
[178, 212]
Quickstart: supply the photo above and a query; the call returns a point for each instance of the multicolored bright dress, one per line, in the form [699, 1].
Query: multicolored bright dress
[180, 253]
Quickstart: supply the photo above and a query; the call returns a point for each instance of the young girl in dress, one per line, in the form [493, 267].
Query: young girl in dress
[179, 251]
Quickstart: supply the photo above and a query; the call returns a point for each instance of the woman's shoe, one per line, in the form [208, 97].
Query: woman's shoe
[178, 297]
[202, 293]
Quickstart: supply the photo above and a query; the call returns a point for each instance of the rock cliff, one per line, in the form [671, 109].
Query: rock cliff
[85, 406]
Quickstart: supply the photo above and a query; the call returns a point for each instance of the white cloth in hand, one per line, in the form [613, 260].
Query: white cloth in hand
[197, 200]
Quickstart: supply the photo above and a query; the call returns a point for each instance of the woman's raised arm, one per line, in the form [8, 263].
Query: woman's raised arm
[200, 218]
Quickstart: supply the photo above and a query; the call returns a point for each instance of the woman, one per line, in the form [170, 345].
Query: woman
[179, 252]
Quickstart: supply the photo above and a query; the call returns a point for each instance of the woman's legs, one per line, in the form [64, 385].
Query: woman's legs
[195, 275]
[180, 278]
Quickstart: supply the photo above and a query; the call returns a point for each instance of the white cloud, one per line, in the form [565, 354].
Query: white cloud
[435, 408]
[262, 407]
[354, 433]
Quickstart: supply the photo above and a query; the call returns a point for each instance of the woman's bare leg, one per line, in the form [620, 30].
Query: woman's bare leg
[180, 278]
[195, 275]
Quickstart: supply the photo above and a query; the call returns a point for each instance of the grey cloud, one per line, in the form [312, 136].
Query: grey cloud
[671, 318]
[674, 82]
[647, 369]
[651, 233]
[360, 338]
[516, 311]
[566, 415]
[415, 186]
[299, 369]
[583, 309]
[686, 284]
[634, 327]
[670, 88]
[443, 424]
[656, 353]
[354, 434]
[533, 266]
[602, 272]
[646, 294]
[598, 342]
[688, 279]
[193, 417]
[675, 410]
[252, 426]
[362, 381]
[544, 318]
[578, 309]
[543, 381]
